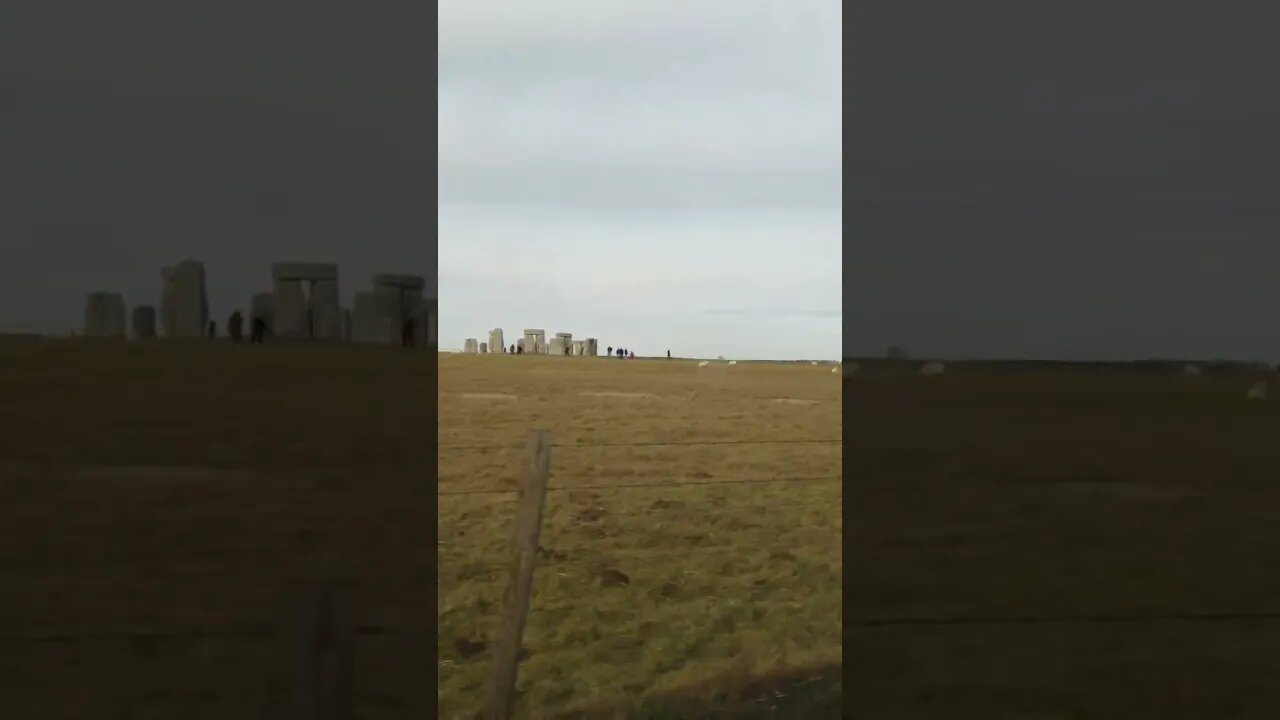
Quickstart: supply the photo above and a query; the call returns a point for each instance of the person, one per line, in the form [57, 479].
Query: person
[257, 329]
[213, 329]
[609, 350]
[632, 355]
[513, 349]
[235, 326]
[668, 354]
[406, 333]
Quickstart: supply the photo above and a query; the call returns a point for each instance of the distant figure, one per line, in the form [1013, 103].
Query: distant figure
[519, 349]
[609, 350]
[668, 354]
[632, 356]
[257, 329]
[566, 351]
[406, 334]
[235, 326]
[213, 329]
[513, 349]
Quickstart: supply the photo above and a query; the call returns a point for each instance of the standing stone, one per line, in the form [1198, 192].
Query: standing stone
[423, 332]
[556, 346]
[306, 300]
[535, 341]
[496, 341]
[484, 348]
[184, 301]
[593, 347]
[346, 324]
[143, 322]
[326, 310]
[104, 315]
[578, 348]
[470, 345]
[520, 345]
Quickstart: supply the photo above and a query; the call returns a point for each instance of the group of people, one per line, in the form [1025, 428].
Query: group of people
[235, 328]
[620, 353]
[258, 330]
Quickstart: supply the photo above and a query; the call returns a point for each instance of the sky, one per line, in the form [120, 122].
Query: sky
[660, 175]
[1078, 180]
[236, 134]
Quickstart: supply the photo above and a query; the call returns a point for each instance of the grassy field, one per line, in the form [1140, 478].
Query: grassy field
[159, 500]
[1071, 523]
[1023, 541]
[697, 581]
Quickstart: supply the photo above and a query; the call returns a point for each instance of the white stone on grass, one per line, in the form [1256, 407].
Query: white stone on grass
[932, 369]
[704, 363]
[1258, 391]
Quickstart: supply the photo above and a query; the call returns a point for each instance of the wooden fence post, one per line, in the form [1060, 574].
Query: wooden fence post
[524, 550]
[322, 645]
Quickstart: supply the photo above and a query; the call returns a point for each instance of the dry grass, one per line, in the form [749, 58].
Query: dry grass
[153, 492]
[1059, 492]
[724, 580]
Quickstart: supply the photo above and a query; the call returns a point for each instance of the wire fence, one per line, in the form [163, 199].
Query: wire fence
[580, 506]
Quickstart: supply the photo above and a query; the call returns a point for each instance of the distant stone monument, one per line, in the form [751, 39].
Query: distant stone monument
[496, 341]
[143, 322]
[484, 348]
[593, 347]
[470, 345]
[535, 341]
[184, 301]
[104, 315]
[306, 301]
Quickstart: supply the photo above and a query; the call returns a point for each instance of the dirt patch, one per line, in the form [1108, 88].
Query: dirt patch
[488, 396]
[634, 395]
[794, 401]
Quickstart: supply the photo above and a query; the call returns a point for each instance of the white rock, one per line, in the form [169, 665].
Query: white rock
[1258, 391]
[733, 362]
[704, 363]
[1191, 370]
[932, 369]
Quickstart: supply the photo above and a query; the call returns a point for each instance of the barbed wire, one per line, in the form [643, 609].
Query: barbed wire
[722, 510]
[684, 483]
[658, 443]
[545, 560]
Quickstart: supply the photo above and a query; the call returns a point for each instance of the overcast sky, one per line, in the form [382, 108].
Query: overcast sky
[237, 134]
[1074, 180]
[659, 175]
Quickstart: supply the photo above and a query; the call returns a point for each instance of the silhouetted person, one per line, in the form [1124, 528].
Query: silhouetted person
[406, 334]
[668, 354]
[609, 350]
[513, 349]
[257, 329]
[235, 326]
[213, 329]
[631, 355]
